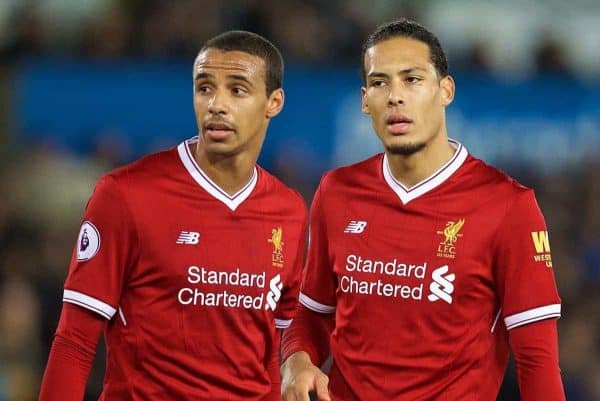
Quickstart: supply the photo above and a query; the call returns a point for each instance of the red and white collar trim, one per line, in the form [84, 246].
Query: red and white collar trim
[433, 181]
[231, 201]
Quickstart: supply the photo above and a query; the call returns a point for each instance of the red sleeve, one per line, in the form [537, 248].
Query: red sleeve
[309, 332]
[524, 274]
[535, 347]
[319, 282]
[105, 248]
[71, 355]
[289, 299]
[274, 374]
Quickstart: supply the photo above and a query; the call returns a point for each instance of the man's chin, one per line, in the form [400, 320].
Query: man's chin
[406, 149]
[220, 148]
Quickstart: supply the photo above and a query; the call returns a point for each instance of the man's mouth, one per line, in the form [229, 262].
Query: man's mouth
[218, 130]
[398, 124]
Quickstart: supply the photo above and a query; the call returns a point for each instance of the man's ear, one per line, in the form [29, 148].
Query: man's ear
[364, 105]
[448, 88]
[275, 102]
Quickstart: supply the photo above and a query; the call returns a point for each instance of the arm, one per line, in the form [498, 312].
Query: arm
[105, 249]
[306, 341]
[71, 355]
[310, 333]
[535, 348]
[305, 347]
[529, 298]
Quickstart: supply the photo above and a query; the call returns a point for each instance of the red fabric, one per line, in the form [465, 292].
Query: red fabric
[72, 354]
[535, 348]
[308, 332]
[425, 282]
[195, 293]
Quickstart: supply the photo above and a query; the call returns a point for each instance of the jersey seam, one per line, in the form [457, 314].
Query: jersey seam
[504, 223]
[129, 214]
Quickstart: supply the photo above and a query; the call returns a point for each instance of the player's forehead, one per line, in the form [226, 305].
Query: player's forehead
[215, 61]
[398, 54]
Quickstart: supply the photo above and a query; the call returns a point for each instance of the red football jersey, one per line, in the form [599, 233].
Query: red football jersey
[425, 282]
[194, 282]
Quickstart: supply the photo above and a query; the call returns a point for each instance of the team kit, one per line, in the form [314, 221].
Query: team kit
[417, 270]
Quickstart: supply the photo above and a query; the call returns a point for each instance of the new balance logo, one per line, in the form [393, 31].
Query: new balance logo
[441, 287]
[275, 286]
[188, 238]
[355, 227]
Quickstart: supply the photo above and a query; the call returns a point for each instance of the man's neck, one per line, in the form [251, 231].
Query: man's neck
[230, 173]
[411, 170]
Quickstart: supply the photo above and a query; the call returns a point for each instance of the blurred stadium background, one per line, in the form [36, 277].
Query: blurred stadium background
[87, 85]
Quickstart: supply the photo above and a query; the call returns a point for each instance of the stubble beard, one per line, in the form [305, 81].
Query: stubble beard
[408, 149]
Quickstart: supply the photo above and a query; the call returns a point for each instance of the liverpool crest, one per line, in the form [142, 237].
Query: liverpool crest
[277, 241]
[447, 248]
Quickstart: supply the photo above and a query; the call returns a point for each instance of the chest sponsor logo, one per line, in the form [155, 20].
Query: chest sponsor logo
[88, 241]
[275, 286]
[441, 286]
[396, 279]
[541, 243]
[355, 227]
[277, 241]
[188, 238]
[447, 248]
[236, 289]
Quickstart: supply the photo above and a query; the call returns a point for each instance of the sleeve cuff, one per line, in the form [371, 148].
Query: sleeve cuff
[90, 303]
[314, 305]
[283, 323]
[532, 315]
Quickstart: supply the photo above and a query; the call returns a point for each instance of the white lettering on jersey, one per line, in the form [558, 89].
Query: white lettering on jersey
[355, 227]
[188, 238]
[275, 286]
[236, 289]
[441, 287]
[88, 242]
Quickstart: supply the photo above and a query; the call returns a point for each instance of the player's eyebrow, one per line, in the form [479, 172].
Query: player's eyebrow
[236, 77]
[240, 78]
[405, 71]
[377, 75]
[412, 69]
[203, 75]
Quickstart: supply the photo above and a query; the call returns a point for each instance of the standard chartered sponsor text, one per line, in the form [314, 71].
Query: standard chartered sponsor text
[351, 283]
[230, 298]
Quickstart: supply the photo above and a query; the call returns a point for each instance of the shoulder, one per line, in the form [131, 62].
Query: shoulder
[281, 192]
[502, 187]
[353, 175]
[492, 177]
[139, 174]
[150, 167]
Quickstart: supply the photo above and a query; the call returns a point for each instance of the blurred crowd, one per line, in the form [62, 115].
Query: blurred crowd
[512, 36]
[44, 188]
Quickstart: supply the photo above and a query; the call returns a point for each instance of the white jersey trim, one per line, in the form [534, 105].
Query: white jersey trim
[532, 315]
[314, 305]
[90, 303]
[496, 320]
[231, 201]
[282, 323]
[433, 181]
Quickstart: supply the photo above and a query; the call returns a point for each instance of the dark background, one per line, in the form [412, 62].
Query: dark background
[87, 85]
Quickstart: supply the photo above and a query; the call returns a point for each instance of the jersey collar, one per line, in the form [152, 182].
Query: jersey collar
[189, 162]
[433, 181]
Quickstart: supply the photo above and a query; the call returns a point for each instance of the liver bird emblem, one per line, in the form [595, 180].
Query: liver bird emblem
[277, 239]
[452, 229]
